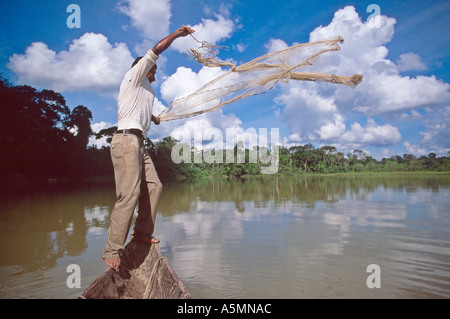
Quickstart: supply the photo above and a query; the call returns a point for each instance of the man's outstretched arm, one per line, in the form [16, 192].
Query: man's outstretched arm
[162, 45]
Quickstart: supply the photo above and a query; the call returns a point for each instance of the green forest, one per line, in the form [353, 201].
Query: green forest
[42, 138]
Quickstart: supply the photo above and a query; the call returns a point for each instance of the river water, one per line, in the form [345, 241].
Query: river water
[269, 237]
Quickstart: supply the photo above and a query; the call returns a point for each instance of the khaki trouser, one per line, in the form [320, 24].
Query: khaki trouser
[137, 183]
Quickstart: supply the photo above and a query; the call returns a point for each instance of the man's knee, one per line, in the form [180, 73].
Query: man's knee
[155, 186]
[159, 186]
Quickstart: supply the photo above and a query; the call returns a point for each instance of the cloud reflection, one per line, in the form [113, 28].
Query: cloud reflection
[288, 229]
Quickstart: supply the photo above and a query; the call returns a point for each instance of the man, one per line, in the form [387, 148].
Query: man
[137, 182]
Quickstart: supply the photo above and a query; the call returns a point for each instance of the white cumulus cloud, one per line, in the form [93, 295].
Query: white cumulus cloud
[151, 17]
[209, 30]
[275, 45]
[185, 81]
[101, 142]
[90, 64]
[323, 112]
[410, 61]
[372, 134]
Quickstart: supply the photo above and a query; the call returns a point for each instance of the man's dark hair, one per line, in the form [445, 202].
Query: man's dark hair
[136, 61]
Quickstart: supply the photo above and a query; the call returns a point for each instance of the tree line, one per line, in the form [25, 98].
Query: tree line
[296, 160]
[42, 138]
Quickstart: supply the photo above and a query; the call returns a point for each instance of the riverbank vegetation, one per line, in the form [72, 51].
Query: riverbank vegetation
[43, 139]
[306, 159]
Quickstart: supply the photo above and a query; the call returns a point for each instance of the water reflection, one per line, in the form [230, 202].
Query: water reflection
[315, 235]
[307, 191]
[270, 237]
[39, 230]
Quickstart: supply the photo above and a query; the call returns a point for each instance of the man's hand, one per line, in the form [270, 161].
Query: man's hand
[184, 31]
[156, 119]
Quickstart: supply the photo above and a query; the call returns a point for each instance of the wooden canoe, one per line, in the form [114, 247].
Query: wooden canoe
[143, 274]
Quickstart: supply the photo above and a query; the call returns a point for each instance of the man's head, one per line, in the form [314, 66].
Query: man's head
[151, 73]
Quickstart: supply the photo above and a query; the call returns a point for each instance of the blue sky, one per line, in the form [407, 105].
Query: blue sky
[402, 105]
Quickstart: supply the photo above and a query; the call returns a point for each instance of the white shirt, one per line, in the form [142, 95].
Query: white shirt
[136, 96]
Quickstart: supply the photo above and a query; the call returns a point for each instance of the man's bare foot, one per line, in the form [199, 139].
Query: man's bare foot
[151, 240]
[145, 239]
[113, 262]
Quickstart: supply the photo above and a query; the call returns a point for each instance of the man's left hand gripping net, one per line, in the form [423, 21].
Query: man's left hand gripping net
[255, 77]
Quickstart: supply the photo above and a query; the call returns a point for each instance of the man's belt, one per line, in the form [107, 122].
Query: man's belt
[131, 131]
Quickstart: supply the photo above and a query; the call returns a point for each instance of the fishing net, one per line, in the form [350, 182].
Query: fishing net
[255, 77]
